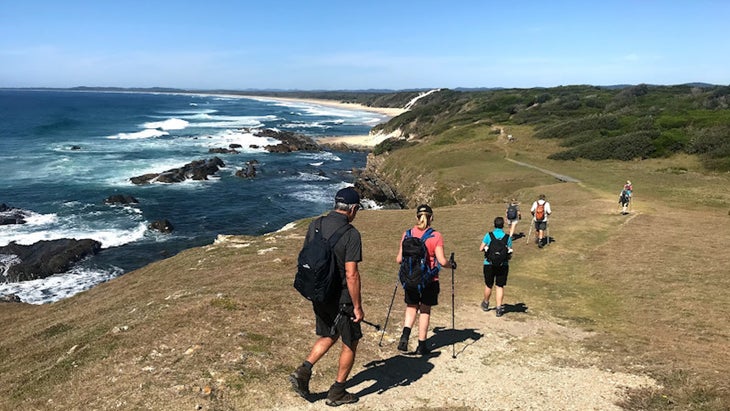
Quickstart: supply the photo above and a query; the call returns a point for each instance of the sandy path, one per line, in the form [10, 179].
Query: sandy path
[508, 363]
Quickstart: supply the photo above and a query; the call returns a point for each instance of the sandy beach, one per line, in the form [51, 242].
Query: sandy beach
[366, 140]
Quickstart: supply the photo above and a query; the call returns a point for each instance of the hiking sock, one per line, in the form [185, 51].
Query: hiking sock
[308, 365]
[422, 348]
[406, 332]
[403, 343]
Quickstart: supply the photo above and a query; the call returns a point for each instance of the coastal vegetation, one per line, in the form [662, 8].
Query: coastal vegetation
[219, 327]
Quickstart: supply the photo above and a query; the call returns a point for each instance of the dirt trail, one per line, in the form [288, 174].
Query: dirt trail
[507, 363]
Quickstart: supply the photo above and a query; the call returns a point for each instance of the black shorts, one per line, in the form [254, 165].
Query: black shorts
[335, 321]
[540, 225]
[498, 273]
[429, 295]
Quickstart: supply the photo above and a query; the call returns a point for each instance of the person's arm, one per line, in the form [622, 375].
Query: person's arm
[441, 258]
[352, 273]
[483, 247]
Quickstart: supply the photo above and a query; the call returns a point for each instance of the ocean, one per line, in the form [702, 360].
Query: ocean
[62, 153]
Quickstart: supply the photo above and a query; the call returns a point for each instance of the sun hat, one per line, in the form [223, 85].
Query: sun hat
[347, 195]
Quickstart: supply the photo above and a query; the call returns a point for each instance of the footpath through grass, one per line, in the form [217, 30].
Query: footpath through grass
[221, 325]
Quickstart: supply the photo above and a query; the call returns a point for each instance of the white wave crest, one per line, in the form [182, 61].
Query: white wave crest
[59, 286]
[169, 124]
[148, 133]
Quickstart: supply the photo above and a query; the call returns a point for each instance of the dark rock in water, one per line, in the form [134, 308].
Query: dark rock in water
[162, 226]
[222, 151]
[196, 170]
[46, 258]
[249, 171]
[120, 199]
[11, 215]
[75, 147]
[289, 141]
[235, 145]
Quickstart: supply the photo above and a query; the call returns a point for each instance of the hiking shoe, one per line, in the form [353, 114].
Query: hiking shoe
[500, 311]
[335, 399]
[403, 344]
[423, 350]
[485, 305]
[299, 380]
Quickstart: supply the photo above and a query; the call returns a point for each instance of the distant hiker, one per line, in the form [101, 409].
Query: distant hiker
[625, 197]
[497, 247]
[540, 211]
[513, 215]
[339, 316]
[420, 298]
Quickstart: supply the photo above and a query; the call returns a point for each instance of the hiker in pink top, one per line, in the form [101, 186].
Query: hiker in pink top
[421, 299]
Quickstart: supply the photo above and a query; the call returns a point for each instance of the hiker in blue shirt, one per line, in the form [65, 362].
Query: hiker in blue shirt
[496, 264]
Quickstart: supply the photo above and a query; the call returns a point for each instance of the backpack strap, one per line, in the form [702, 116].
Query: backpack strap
[334, 238]
[427, 234]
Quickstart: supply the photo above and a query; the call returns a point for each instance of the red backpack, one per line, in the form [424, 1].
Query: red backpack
[540, 212]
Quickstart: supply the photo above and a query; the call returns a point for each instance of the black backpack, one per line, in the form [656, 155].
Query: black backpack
[512, 212]
[497, 253]
[317, 277]
[415, 271]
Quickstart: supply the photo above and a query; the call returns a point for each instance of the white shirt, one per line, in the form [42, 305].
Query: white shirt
[548, 210]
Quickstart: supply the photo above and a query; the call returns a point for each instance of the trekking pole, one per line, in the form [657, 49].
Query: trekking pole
[529, 233]
[380, 344]
[453, 326]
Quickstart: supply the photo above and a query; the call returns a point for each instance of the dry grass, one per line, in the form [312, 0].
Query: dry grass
[218, 326]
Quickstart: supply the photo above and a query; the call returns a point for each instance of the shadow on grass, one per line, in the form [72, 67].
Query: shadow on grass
[403, 370]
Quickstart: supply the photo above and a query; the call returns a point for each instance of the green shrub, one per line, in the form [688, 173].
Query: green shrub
[393, 143]
[624, 147]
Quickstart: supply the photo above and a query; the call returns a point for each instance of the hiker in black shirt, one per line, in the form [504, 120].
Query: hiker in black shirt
[340, 317]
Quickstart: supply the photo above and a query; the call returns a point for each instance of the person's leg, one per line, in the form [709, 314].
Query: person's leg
[347, 359]
[488, 283]
[410, 319]
[500, 295]
[423, 321]
[320, 348]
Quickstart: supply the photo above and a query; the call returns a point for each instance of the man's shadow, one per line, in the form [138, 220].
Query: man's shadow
[403, 370]
[515, 308]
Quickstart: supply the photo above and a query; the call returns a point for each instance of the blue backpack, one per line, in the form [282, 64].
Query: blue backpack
[415, 269]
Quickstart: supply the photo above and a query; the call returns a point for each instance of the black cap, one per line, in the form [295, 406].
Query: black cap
[423, 208]
[347, 195]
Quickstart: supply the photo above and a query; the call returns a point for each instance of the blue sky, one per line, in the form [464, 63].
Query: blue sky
[330, 45]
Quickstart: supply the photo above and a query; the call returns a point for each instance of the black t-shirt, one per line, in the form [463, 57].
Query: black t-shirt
[347, 249]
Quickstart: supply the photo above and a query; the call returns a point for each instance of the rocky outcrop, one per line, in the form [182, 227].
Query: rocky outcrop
[289, 141]
[11, 215]
[220, 150]
[249, 171]
[371, 185]
[196, 170]
[120, 199]
[45, 258]
[162, 226]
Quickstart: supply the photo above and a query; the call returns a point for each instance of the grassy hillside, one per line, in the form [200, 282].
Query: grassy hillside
[594, 123]
[219, 327]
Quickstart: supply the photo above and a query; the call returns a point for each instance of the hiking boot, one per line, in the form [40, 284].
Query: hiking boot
[335, 399]
[500, 311]
[403, 343]
[299, 380]
[422, 349]
[485, 305]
